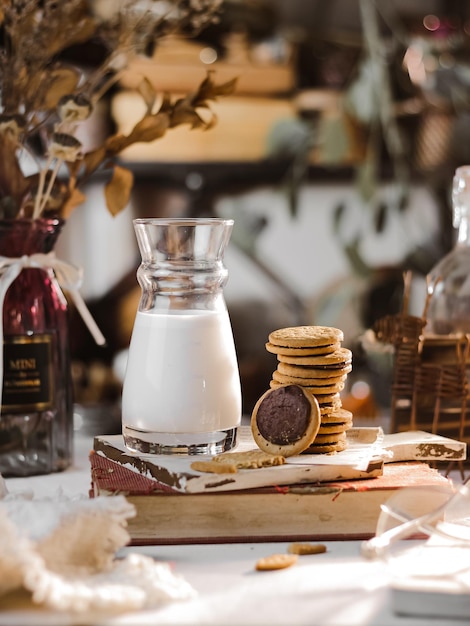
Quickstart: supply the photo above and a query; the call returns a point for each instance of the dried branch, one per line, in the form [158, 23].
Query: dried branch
[43, 95]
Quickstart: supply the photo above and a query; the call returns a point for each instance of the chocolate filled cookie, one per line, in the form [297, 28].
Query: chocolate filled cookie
[313, 358]
[310, 385]
[305, 336]
[302, 351]
[285, 420]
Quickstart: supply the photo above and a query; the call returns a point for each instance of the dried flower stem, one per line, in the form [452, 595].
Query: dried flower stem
[42, 179]
[112, 80]
[50, 186]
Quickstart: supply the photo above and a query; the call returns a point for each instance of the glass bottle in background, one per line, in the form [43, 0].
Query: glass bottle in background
[449, 281]
[181, 391]
[36, 420]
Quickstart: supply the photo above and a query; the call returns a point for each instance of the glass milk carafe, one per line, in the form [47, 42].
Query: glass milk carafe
[181, 391]
[449, 280]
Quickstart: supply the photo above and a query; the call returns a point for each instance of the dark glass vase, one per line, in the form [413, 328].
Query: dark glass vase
[36, 420]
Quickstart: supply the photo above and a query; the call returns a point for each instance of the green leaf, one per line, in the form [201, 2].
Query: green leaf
[338, 214]
[333, 141]
[367, 179]
[356, 261]
[380, 217]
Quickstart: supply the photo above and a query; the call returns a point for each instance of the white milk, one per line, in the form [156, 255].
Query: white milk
[182, 374]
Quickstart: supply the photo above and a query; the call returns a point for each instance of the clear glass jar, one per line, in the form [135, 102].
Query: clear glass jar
[36, 421]
[449, 281]
[181, 391]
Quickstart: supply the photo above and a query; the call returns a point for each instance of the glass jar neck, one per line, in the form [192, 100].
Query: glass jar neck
[182, 261]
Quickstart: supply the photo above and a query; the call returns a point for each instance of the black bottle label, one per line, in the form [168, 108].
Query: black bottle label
[28, 383]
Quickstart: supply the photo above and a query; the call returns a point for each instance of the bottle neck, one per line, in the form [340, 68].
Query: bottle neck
[461, 204]
[463, 233]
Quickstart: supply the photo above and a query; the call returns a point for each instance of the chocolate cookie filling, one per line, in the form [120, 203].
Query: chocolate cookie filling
[329, 366]
[284, 415]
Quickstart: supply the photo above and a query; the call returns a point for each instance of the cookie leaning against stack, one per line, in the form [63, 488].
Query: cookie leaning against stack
[313, 358]
[285, 420]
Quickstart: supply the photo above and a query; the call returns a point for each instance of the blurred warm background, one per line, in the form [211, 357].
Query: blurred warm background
[334, 156]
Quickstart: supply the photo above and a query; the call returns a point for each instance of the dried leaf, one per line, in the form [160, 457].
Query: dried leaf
[56, 84]
[34, 80]
[75, 198]
[212, 121]
[208, 90]
[83, 29]
[115, 144]
[92, 160]
[148, 93]
[226, 89]
[149, 128]
[118, 190]
[185, 110]
[166, 105]
[74, 168]
[154, 126]
[184, 113]
[13, 183]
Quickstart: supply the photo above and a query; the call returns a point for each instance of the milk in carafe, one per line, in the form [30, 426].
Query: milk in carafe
[181, 373]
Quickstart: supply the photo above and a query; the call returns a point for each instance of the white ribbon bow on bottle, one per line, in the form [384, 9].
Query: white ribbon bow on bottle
[68, 277]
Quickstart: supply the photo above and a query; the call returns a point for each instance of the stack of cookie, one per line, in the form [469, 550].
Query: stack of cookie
[313, 358]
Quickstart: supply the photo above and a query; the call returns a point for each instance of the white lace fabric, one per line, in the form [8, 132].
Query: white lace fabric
[63, 552]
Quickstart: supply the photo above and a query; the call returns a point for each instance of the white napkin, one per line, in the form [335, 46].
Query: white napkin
[63, 551]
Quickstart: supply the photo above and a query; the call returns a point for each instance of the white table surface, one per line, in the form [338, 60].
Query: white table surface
[336, 588]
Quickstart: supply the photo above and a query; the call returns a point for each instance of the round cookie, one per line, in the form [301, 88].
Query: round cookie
[301, 336]
[325, 390]
[330, 399]
[326, 448]
[336, 358]
[305, 371]
[328, 408]
[333, 428]
[314, 389]
[285, 420]
[337, 416]
[302, 381]
[330, 438]
[302, 351]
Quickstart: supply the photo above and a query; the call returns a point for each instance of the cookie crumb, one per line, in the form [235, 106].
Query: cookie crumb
[249, 459]
[212, 467]
[276, 561]
[306, 548]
